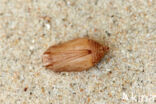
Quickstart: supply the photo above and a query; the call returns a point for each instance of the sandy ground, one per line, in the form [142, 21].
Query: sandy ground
[127, 75]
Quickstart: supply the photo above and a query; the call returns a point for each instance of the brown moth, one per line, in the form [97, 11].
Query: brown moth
[75, 55]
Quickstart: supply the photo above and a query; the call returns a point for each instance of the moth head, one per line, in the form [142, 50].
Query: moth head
[100, 52]
[105, 49]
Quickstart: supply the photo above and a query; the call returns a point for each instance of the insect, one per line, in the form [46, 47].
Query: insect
[75, 55]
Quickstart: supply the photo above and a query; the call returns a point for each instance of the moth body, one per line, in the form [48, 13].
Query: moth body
[75, 55]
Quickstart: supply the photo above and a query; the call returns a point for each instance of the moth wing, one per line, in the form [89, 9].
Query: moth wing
[67, 60]
[70, 46]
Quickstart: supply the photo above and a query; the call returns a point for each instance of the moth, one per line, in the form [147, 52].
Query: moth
[75, 55]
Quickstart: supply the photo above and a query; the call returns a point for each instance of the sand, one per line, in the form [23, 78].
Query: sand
[126, 75]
